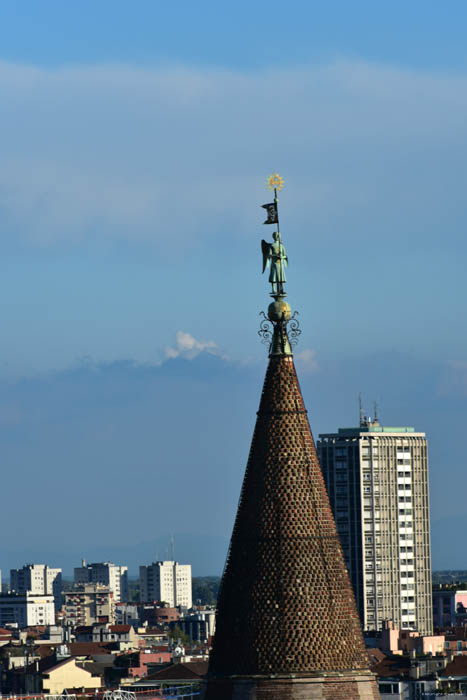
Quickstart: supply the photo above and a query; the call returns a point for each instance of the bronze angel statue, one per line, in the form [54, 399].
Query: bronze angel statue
[275, 257]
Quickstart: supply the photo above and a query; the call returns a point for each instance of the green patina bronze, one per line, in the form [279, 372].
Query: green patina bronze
[275, 257]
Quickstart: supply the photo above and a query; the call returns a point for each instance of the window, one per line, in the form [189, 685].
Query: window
[389, 688]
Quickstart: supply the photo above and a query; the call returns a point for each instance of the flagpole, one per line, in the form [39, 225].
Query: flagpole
[276, 201]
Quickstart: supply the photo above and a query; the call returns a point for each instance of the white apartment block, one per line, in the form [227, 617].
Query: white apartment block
[106, 574]
[166, 581]
[39, 579]
[27, 609]
[377, 481]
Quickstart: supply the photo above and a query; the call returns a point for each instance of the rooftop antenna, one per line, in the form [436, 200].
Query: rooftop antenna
[375, 411]
[360, 406]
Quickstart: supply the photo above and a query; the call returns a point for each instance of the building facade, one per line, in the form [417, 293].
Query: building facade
[27, 609]
[199, 625]
[39, 579]
[106, 574]
[449, 607]
[166, 581]
[377, 481]
[88, 604]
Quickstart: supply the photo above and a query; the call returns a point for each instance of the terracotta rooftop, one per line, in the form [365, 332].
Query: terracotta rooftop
[392, 666]
[76, 649]
[119, 629]
[188, 670]
[457, 667]
[88, 648]
[375, 656]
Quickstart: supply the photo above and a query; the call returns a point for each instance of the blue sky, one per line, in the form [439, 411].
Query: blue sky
[136, 140]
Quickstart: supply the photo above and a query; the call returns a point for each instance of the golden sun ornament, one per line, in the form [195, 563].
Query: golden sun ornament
[275, 182]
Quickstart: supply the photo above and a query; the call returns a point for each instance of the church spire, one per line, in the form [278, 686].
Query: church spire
[287, 624]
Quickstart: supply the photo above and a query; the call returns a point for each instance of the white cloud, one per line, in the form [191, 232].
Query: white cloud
[187, 346]
[173, 154]
[307, 360]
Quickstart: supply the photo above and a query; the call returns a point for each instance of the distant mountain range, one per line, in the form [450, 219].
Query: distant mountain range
[206, 554]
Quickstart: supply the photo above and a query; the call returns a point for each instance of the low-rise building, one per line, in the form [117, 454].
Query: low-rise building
[127, 614]
[453, 678]
[404, 677]
[123, 635]
[455, 639]
[179, 673]
[396, 641]
[53, 677]
[449, 606]
[5, 636]
[150, 636]
[199, 625]
[149, 659]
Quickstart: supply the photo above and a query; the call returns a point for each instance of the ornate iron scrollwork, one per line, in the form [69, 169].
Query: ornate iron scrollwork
[291, 328]
[266, 329]
[294, 329]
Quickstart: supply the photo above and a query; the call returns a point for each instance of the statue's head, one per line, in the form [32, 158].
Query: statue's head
[275, 235]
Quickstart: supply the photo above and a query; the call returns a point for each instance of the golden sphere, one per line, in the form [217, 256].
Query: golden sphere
[279, 311]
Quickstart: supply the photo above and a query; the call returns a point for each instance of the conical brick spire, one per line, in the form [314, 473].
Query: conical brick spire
[287, 625]
[286, 606]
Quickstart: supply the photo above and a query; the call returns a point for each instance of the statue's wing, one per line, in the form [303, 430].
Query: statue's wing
[265, 248]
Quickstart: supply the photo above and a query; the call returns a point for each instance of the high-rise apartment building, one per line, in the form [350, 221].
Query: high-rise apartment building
[89, 603]
[26, 609]
[106, 574]
[377, 481]
[166, 581]
[38, 579]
